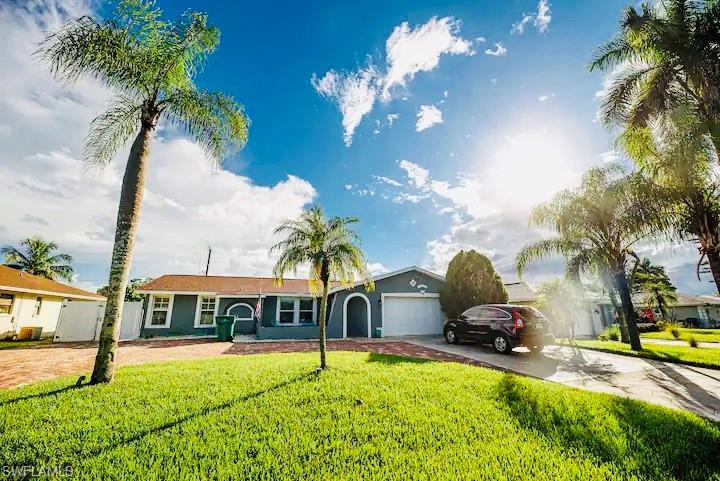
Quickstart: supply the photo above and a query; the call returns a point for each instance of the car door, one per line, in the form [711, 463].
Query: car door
[469, 322]
[492, 320]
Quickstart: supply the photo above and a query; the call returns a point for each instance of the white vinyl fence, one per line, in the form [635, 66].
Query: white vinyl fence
[81, 321]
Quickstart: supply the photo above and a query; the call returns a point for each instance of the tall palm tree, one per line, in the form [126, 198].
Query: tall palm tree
[150, 64]
[36, 256]
[653, 282]
[677, 155]
[664, 55]
[330, 248]
[596, 227]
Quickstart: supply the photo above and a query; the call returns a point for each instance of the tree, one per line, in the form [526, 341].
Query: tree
[36, 256]
[330, 248]
[560, 300]
[596, 227]
[680, 160]
[653, 282]
[470, 280]
[131, 294]
[150, 63]
[664, 56]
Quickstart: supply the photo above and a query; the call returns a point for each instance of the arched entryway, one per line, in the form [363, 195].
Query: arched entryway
[356, 316]
[244, 317]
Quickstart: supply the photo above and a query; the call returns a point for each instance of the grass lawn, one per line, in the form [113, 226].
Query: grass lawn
[370, 417]
[17, 344]
[701, 335]
[696, 356]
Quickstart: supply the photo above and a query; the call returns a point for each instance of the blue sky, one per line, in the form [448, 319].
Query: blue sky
[514, 129]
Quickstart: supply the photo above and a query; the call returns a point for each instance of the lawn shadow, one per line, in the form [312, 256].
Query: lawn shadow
[43, 394]
[690, 394]
[202, 412]
[651, 439]
[392, 359]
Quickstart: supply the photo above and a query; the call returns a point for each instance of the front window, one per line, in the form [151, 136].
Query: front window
[38, 306]
[207, 311]
[296, 311]
[6, 302]
[160, 308]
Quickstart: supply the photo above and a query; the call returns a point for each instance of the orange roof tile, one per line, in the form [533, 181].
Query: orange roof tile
[227, 285]
[14, 280]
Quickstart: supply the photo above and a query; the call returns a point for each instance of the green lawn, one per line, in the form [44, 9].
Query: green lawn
[370, 417]
[701, 335]
[682, 353]
[18, 344]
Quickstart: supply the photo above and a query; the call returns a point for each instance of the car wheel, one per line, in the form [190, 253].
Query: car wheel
[535, 349]
[451, 337]
[501, 344]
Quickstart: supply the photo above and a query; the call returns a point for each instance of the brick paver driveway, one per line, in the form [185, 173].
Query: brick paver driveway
[24, 366]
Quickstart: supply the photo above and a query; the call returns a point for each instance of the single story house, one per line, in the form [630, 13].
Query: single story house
[31, 301]
[404, 302]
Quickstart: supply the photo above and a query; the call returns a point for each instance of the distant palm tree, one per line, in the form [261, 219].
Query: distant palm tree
[151, 64]
[596, 227]
[665, 55]
[35, 256]
[652, 281]
[332, 251]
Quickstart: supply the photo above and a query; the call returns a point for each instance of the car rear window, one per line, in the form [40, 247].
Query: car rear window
[529, 313]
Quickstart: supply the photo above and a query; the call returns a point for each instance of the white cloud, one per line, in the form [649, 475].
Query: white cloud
[543, 17]
[609, 157]
[518, 28]
[427, 116]
[417, 175]
[408, 51]
[540, 19]
[391, 118]
[377, 268]
[387, 180]
[412, 50]
[348, 186]
[499, 50]
[47, 190]
[354, 93]
[543, 98]
[480, 40]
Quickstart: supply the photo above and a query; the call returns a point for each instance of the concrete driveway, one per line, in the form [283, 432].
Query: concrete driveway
[673, 385]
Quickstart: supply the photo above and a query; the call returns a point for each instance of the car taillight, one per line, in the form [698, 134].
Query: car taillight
[517, 320]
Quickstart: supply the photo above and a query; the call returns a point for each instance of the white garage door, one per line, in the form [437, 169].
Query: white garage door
[412, 316]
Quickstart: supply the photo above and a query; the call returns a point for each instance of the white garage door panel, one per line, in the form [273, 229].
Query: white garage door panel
[412, 316]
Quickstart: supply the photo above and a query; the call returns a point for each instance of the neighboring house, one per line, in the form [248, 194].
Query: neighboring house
[31, 301]
[696, 310]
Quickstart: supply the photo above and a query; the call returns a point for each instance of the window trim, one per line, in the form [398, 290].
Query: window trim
[296, 312]
[37, 308]
[13, 297]
[149, 313]
[233, 306]
[198, 306]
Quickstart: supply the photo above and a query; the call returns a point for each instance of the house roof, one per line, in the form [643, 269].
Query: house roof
[387, 275]
[14, 280]
[683, 299]
[521, 292]
[226, 285]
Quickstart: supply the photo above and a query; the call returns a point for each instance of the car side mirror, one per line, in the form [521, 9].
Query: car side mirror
[463, 317]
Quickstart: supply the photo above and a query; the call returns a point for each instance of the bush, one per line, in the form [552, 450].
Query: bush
[470, 280]
[611, 333]
[692, 341]
[674, 329]
[647, 327]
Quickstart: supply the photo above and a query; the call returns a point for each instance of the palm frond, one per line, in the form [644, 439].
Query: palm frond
[111, 130]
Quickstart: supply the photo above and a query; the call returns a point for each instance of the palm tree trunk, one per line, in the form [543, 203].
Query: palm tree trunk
[621, 317]
[128, 217]
[325, 279]
[628, 308]
[714, 263]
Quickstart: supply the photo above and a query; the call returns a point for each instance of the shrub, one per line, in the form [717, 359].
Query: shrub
[674, 329]
[692, 341]
[470, 280]
[611, 333]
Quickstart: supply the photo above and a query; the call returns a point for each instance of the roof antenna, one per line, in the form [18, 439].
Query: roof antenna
[207, 266]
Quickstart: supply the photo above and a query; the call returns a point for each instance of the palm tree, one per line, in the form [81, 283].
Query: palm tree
[561, 300]
[596, 227]
[665, 55]
[331, 250]
[35, 256]
[681, 161]
[150, 63]
[652, 281]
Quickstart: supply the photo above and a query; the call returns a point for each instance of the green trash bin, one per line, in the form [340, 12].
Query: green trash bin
[224, 327]
[378, 333]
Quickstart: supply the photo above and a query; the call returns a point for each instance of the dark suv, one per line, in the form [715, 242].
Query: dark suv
[505, 326]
